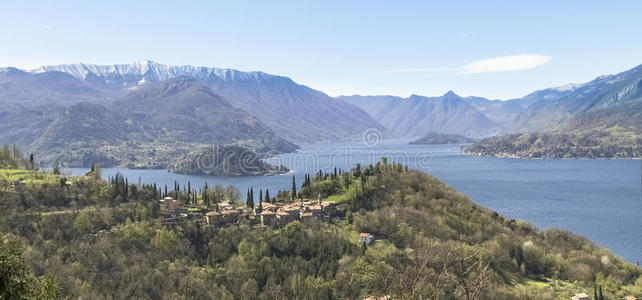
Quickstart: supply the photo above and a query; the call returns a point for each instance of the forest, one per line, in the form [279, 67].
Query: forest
[82, 237]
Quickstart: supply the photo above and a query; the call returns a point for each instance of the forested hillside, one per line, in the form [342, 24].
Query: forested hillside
[82, 237]
[598, 119]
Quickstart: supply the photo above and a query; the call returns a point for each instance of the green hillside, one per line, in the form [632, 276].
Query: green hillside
[107, 240]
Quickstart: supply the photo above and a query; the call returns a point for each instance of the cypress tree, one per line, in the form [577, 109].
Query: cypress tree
[251, 197]
[126, 190]
[261, 200]
[267, 196]
[206, 199]
[293, 188]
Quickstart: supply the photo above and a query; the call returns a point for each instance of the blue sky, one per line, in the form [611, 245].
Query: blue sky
[495, 49]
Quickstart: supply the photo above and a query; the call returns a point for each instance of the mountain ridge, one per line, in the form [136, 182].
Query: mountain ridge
[312, 116]
[545, 109]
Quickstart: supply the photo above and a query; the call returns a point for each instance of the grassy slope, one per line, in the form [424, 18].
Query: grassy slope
[27, 176]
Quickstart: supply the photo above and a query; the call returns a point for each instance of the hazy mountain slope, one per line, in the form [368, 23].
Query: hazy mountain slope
[23, 124]
[599, 119]
[83, 122]
[470, 116]
[51, 88]
[151, 126]
[184, 110]
[418, 115]
[294, 111]
[604, 92]
[502, 113]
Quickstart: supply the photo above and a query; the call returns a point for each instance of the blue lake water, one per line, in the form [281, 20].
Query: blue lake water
[598, 199]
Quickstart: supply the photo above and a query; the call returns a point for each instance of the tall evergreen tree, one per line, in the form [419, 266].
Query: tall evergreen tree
[206, 198]
[126, 190]
[250, 198]
[293, 188]
[261, 200]
[267, 196]
[189, 189]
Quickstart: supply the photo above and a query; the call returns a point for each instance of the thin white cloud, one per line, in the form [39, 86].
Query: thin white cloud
[495, 64]
[505, 63]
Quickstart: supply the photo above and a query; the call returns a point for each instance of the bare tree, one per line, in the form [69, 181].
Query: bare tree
[468, 271]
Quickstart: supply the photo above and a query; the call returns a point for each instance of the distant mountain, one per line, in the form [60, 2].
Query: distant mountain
[294, 111]
[419, 115]
[547, 109]
[598, 119]
[184, 110]
[129, 109]
[603, 93]
[146, 114]
[149, 127]
[50, 88]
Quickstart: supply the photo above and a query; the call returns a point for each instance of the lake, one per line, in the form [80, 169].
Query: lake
[598, 199]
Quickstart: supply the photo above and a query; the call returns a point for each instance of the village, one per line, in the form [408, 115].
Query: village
[265, 214]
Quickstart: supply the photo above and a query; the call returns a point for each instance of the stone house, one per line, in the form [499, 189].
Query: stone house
[268, 218]
[169, 204]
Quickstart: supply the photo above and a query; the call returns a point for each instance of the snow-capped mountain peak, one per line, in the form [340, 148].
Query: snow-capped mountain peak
[148, 70]
[568, 87]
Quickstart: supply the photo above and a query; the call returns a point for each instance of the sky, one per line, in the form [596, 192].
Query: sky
[494, 49]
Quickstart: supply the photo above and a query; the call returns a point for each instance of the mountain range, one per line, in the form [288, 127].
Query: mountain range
[296, 112]
[143, 114]
[122, 114]
[604, 102]
[419, 115]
